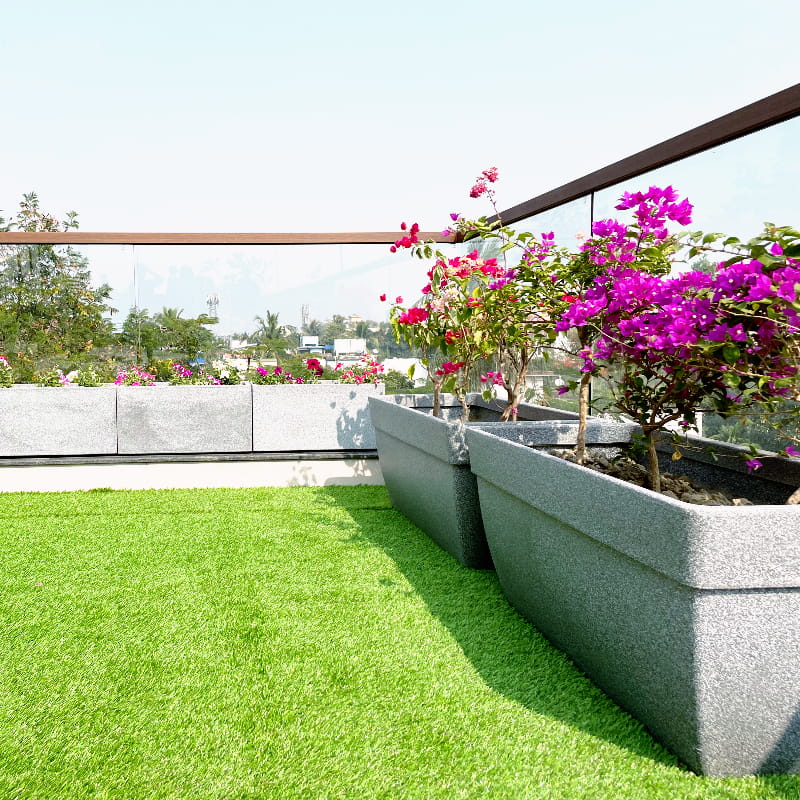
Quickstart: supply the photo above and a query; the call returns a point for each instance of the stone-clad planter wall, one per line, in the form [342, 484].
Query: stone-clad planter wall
[332, 416]
[184, 419]
[688, 616]
[42, 421]
[132, 420]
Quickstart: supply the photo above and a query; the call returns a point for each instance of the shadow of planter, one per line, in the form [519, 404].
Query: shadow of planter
[688, 616]
[425, 464]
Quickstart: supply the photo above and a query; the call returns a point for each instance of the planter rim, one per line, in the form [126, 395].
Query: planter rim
[704, 547]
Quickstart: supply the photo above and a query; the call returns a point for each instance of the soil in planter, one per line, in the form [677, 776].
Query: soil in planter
[615, 463]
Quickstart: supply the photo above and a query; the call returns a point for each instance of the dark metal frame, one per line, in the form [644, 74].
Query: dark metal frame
[764, 113]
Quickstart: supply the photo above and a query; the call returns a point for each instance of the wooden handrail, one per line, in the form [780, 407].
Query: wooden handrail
[762, 114]
[81, 237]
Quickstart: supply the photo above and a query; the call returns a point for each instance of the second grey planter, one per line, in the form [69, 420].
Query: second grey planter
[425, 465]
[688, 616]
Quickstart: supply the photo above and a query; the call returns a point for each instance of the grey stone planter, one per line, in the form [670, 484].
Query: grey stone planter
[688, 616]
[425, 466]
[316, 416]
[184, 419]
[57, 421]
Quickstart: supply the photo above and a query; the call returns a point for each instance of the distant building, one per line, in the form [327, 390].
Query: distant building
[310, 344]
[349, 347]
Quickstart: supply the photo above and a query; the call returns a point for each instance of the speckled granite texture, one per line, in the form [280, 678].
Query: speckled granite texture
[184, 419]
[313, 417]
[58, 421]
[425, 463]
[688, 616]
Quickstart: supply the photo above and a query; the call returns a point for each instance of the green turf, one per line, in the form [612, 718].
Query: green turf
[289, 643]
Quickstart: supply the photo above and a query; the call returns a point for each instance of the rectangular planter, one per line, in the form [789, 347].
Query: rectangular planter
[688, 616]
[184, 419]
[425, 464]
[58, 421]
[317, 416]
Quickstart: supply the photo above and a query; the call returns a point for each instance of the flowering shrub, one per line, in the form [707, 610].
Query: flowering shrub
[728, 339]
[443, 326]
[183, 375]
[273, 376]
[53, 377]
[366, 370]
[671, 345]
[135, 376]
[314, 367]
[6, 373]
[87, 376]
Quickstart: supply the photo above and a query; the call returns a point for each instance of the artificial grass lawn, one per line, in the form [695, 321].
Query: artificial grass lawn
[289, 643]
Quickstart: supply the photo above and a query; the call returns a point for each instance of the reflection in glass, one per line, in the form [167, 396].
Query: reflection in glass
[566, 222]
[735, 187]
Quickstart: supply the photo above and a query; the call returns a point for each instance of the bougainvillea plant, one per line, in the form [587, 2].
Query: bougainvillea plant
[676, 344]
[273, 376]
[53, 377]
[182, 375]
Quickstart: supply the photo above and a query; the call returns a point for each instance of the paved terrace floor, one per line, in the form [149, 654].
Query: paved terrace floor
[188, 472]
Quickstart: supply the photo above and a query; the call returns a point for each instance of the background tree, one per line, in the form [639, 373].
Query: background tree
[143, 333]
[270, 337]
[49, 309]
[185, 337]
[313, 328]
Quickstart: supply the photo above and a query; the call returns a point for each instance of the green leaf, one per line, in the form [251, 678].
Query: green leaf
[731, 353]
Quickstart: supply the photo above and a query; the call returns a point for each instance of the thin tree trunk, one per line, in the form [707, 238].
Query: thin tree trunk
[653, 471]
[583, 415]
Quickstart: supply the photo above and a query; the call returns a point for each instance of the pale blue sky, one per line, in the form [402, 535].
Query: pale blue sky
[176, 115]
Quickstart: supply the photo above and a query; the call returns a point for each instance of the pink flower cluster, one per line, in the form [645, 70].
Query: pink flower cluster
[276, 375]
[481, 185]
[615, 243]
[314, 366]
[495, 378]
[407, 241]
[710, 328]
[413, 316]
[450, 367]
[367, 370]
[134, 377]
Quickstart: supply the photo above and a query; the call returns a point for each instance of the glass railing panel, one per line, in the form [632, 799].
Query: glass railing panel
[734, 188]
[554, 369]
[230, 294]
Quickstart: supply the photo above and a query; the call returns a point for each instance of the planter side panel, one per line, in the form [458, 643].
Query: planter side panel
[608, 572]
[439, 497]
[184, 419]
[313, 417]
[748, 681]
[58, 421]
[628, 627]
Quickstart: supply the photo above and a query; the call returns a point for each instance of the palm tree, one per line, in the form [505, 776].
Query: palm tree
[270, 335]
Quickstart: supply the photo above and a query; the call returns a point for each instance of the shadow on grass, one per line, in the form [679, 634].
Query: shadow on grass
[509, 654]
